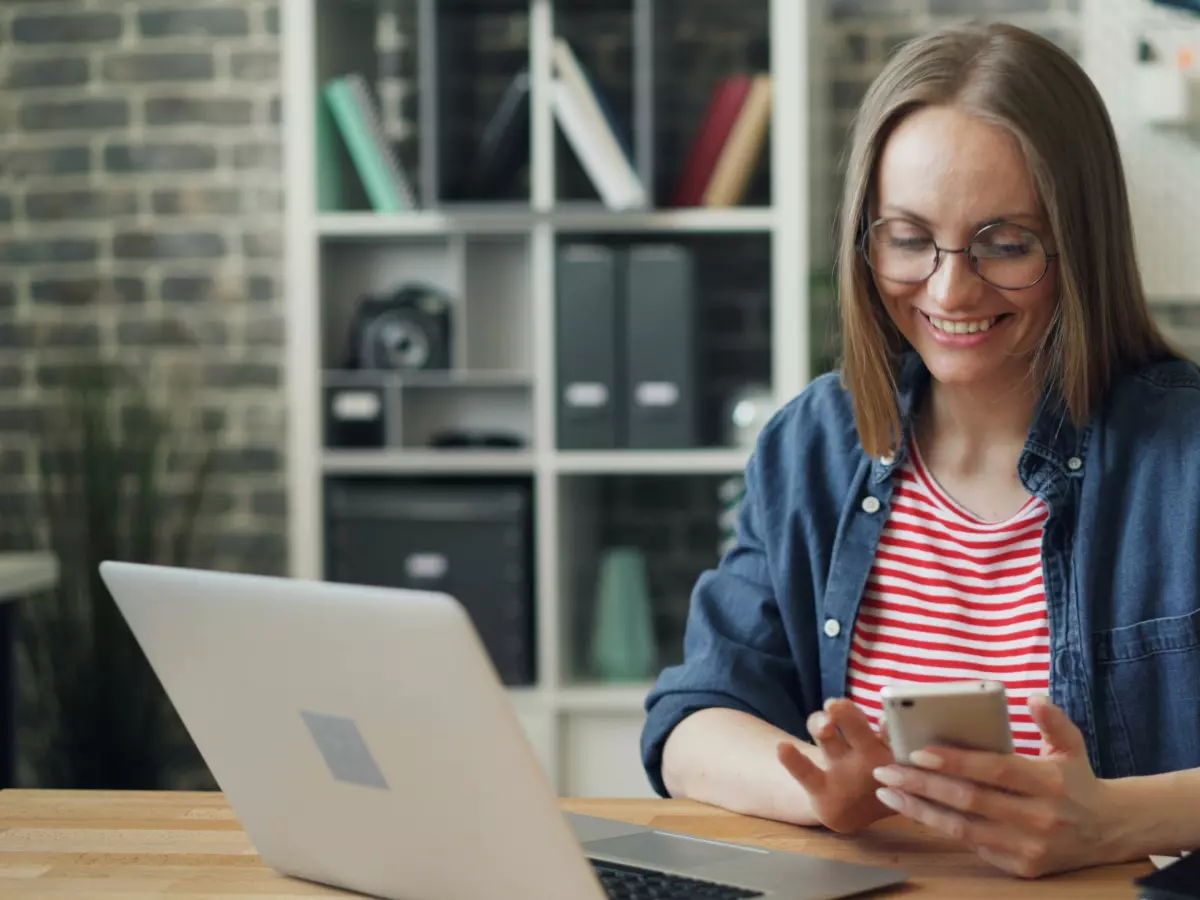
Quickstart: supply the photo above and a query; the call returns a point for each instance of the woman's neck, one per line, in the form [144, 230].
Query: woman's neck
[970, 427]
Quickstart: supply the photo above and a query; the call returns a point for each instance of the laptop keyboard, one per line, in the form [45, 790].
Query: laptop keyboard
[622, 882]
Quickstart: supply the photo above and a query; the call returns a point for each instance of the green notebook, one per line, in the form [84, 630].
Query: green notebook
[358, 122]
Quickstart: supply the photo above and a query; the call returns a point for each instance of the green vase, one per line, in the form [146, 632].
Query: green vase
[622, 641]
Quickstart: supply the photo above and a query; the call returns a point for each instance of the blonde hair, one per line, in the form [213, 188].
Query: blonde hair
[1024, 83]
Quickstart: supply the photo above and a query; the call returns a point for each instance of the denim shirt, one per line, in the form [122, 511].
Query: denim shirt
[769, 629]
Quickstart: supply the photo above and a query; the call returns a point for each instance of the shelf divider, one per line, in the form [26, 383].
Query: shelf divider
[541, 112]
[427, 100]
[643, 94]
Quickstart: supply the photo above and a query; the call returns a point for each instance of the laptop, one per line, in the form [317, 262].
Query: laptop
[365, 742]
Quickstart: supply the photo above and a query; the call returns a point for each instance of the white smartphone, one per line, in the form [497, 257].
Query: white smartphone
[971, 714]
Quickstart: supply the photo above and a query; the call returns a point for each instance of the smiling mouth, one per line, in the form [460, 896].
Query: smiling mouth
[963, 326]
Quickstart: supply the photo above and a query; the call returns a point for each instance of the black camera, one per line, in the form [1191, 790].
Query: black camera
[408, 330]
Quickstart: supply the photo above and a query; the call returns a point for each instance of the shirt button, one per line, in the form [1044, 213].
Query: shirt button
[832, 628]
[887, 459]
[870, 505]
[1074, 463]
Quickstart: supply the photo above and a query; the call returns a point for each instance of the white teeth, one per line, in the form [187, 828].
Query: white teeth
[963, 327]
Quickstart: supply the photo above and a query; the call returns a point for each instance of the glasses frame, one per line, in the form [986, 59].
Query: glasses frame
[864, 243]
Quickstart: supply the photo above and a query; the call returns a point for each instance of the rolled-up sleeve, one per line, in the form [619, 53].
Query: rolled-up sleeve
[736, 651]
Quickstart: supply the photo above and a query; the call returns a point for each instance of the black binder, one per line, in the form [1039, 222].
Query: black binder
[588, 340]
[660, 344]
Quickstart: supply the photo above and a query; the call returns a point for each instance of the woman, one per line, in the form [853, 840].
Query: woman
[1003, 482]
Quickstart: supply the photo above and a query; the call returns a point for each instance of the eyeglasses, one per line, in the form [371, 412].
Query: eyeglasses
[1005, 255]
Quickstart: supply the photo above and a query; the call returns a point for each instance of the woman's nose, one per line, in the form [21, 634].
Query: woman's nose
[954, 285]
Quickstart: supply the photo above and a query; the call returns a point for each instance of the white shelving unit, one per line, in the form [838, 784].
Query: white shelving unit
[585, 734]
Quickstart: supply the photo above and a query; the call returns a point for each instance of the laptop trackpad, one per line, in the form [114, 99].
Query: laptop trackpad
[655, 849]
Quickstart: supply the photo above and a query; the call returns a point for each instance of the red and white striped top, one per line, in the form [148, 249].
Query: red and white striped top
[951, 597]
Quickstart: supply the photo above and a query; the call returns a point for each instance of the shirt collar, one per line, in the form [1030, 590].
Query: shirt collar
[1052, 438]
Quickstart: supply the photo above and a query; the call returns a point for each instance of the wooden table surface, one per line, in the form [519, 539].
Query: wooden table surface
[130, 846]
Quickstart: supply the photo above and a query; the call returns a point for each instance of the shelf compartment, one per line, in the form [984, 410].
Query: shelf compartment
[687, 69]
[674, 522]
[496, 334]
[601, 755]
[353, 269]
[485, 280]
[469, 538]
[601, 36]
[476, 375]
[614, 344]
[477, 79]
[430, 415]
[346, 46]
[428, 412]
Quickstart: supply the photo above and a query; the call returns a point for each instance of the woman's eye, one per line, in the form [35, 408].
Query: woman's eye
[1002, 251]
[909, 243]
[1004, 242]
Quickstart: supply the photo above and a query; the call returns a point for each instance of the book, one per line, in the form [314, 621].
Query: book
[607, 163]
[742, 148]
[503, 147]
[357, 120]
[331, 187]
[724, 105]
[581, 134]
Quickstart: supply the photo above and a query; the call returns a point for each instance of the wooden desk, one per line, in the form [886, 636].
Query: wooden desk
[133, 846]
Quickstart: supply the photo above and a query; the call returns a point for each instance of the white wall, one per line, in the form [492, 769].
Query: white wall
[1162, 165]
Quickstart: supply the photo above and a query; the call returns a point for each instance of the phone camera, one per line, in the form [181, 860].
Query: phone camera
[906, 703]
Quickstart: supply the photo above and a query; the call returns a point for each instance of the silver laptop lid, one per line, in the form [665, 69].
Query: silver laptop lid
[360, 734]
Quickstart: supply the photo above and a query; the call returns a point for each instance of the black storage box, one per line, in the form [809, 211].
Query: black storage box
[470, 540]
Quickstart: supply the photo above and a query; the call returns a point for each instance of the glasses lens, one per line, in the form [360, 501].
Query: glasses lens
[901, 251]
[1009, 256]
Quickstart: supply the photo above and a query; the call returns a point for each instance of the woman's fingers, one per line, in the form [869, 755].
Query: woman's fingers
[884, 734]
[979, 833]
[825, 734]
[1032, 776]
[1033, 815]
[853, 724]
[811, 776]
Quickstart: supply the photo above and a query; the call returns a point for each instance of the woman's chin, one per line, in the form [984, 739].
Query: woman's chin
[963, 369]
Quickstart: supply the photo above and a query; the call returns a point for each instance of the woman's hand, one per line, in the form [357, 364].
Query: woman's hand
[1028, 816]
[842, 792]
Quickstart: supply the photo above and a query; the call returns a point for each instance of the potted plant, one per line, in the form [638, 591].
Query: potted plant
[122, 469]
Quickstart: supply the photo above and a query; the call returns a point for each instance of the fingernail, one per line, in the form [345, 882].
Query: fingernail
[817, 722]
[890, 799]
[925, 759]
[1039, 696]
[828, 703]
[888, 776]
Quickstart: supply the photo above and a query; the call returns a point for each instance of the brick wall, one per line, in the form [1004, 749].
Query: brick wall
[863, 34]
[140, 197]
